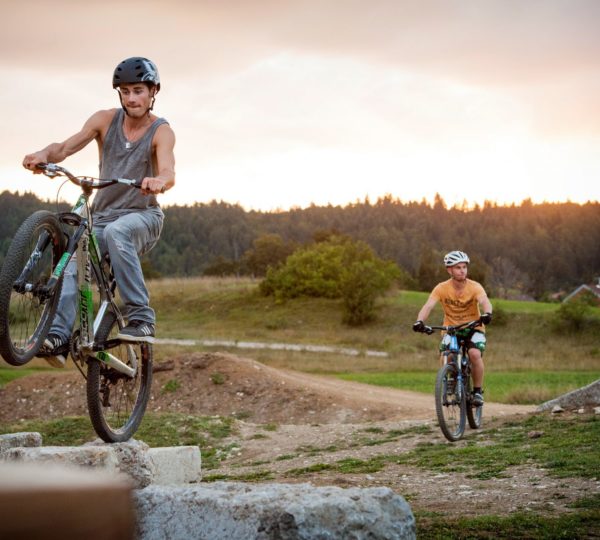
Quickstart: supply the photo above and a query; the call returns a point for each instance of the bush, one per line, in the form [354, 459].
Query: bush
[575, 316]
[336, 268]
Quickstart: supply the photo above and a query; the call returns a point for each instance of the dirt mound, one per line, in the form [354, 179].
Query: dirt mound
[230, 385]
[224, 384]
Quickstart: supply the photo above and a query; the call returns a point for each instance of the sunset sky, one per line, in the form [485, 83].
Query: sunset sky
[277, 104]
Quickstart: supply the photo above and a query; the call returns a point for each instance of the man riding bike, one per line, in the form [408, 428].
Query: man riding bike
[460, 298]
[132, 143]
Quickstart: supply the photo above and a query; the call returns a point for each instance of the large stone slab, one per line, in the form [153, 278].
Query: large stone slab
[22, 439]
[91, 457]
[587, 396]
[143, 465]
[132, 458]
[231, 510]
[176, 465]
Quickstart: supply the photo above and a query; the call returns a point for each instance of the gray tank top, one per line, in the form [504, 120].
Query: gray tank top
[122, 159]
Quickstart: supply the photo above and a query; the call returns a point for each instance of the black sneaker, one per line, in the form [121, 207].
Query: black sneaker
[477, 399]
[137, 331]
[55, 350]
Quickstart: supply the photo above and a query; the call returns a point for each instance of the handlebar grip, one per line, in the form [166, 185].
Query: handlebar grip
[138, 185]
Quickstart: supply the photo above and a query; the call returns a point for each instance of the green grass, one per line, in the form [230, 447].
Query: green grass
[231, 309]
[567, 448]
[585, 524]
[8, 374]
[502, 387]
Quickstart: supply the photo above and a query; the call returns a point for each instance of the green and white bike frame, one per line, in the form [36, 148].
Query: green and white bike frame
[83, 245]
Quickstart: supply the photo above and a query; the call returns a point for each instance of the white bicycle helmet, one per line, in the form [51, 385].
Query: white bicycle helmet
[455, 257]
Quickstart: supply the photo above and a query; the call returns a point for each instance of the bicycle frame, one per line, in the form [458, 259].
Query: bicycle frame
[83, 244]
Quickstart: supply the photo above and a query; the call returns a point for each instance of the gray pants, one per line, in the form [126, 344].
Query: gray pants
[125, 239]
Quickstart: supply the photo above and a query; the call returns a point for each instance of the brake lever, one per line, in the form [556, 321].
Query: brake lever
[48, 169]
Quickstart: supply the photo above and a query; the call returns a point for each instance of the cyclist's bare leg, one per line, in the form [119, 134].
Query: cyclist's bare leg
[476, 367]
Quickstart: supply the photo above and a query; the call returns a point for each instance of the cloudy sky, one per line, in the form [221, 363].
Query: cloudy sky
[282, 103]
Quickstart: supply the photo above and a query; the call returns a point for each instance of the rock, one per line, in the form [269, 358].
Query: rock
[176, 465]
[133, 460]
[596, 410]
[588, 396]
[268, 511]
[23, 439]
[535, 434]
[167, 365]
[91, 456]
[557, 409]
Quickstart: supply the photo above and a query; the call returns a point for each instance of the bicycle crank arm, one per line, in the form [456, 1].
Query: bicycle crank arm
[115, 363]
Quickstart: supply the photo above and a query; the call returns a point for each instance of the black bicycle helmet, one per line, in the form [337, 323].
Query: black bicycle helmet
[136, 69]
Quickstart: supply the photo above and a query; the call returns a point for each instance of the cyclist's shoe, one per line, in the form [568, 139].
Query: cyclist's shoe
[55, 350]
[137, 331]
[477, 399]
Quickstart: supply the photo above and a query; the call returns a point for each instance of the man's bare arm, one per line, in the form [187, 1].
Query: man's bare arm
[484, 302]
[164, 144]
[57, 152]
[426, 309]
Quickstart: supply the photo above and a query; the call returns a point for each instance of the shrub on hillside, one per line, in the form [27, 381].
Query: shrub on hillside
[575, 316]
[336, 268]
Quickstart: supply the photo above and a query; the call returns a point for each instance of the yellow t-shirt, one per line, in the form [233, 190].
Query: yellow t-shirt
[461, 308]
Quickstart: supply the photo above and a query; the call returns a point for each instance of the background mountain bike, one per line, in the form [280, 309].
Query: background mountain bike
[453, 385]
[118, 374]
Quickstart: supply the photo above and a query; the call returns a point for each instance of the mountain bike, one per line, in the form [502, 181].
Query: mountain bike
[118, 374]
[453, 385]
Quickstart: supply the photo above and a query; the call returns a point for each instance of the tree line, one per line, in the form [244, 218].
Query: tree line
[516, 251]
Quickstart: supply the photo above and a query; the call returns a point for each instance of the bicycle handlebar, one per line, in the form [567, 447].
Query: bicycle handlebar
[451, 329]
[51, 170]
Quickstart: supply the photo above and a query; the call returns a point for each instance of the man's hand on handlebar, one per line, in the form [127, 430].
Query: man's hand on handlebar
[152, 185]
[419, 326]
[486, 318]
[31, 162]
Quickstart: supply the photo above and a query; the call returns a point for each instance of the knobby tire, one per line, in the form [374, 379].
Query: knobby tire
[450, 402]
[117, 403]
[26, 315]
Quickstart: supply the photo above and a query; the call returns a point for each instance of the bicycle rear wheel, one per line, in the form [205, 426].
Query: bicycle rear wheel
[474, 413]
[27, 307]
[117, 402]
[450, 402]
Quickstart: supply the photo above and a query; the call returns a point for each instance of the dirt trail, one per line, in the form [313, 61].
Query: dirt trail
[293, 421]
[225, 384]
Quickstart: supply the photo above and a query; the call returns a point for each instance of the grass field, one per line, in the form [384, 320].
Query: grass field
[527, 360]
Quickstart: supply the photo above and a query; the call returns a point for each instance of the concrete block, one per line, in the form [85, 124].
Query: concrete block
[22, 439]
[227, 510]
[91, 457]
[176, 465]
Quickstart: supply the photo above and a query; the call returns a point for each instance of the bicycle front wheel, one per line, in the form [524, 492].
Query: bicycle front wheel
[27, 306]
[450, 403]
[116, 401]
